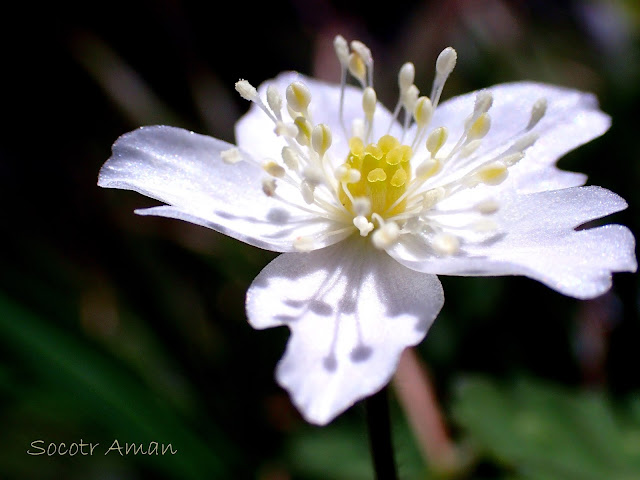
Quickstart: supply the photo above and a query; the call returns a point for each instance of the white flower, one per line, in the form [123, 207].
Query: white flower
[369, 205]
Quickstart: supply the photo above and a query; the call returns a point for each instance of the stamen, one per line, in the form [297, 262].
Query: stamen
[484, 101]
[342, 52]
[321, 139]
[231, 156]
[431, 197]
[406, 76]
[480, 127]
[269, 186]
[445, 64]
[365, 54]
[446, 243]
[246, 90]
[537, 112]
[386, 235]
[487, 207]
[273, 169]
[369, 101]
[492, 174]
[436, 140]
[306, 189]
[422, 112]
[286, 130]
[298, 97]
[304, 131]
[357, 68]
[274, 99]
[342, 49]
[290, 158]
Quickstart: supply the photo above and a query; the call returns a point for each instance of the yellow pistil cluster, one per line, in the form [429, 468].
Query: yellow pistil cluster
[385, 172]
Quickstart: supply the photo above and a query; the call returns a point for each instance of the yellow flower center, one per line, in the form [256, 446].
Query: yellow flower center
[385, 172]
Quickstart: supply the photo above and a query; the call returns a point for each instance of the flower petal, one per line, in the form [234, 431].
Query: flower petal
[572, 118]
[184, 170]
[352, 310]
[538, 240]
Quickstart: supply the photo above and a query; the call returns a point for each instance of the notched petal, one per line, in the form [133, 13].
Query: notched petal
[352, 310]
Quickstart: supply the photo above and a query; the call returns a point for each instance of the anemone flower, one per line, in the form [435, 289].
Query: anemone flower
[367, 205]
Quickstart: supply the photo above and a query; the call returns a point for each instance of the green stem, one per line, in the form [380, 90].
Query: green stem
[379, 425]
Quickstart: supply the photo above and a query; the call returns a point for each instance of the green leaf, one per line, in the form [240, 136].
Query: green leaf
[544, 431]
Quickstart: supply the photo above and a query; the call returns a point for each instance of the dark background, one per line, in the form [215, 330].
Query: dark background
[114, 326]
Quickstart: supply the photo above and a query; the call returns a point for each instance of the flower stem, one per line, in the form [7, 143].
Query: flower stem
[379, 425]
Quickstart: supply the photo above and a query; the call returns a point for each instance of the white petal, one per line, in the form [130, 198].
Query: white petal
[254, 131]
[352, 310]
[538, 240]
[572, 118]
[184, 170]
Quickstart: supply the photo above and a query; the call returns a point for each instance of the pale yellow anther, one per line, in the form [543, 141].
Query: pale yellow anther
[273, 169]
[357, 67]
[274, 99]
[423, 111]
[284, 129]
[399, 178]
[512, 158]
[369, 100]
[231, 156]
[428, 168]
[480, 127]
[386, 235]
[362, 224]
[363, 51]
[436, 140]
[290, 158]
[313, 175]
[409, 98]
[298, 97]
[345, 174]
[341, 48]
[431, 197]
[246, 90]
[269, 186]
[488, 207]
[537, 112]
[493, 173]
[377, 175]
[446, 62]
[307, 191]
[406, 76]
[304, 130]
[321, 138]
[446, 244]
[484, 100]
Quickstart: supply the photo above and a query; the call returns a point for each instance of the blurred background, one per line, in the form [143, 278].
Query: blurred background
[114, 326]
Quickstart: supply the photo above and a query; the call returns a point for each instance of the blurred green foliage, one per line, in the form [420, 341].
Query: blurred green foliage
[119, 327]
